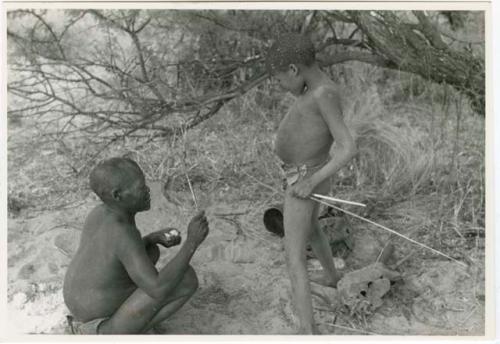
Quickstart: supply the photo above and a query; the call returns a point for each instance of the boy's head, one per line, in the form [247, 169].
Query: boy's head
[120, 182]
[288, 57]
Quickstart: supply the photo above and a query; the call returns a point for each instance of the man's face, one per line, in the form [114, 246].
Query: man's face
[135, 195]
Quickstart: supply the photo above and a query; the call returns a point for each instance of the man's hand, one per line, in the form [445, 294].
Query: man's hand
[198, 229]
[302, 189]
[167, 237]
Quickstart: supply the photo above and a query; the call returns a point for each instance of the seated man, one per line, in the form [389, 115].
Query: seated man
[111, 285]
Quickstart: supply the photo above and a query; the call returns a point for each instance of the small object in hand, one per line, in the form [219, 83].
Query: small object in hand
[173, 237]
[173, 232]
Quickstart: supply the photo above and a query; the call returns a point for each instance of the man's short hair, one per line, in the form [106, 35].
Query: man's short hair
[290, 48]
[111, 174]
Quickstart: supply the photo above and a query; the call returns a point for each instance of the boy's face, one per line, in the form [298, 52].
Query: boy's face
[291, 80]
[134, 196]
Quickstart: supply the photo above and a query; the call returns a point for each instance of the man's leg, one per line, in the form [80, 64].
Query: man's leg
[140, 312]
[178, 300]
[297, 221]
[153, 252]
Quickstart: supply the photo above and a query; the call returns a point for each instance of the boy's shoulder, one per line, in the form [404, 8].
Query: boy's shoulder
[327, 90]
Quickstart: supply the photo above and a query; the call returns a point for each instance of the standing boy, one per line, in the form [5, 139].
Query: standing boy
[112, 285]
[305, 143]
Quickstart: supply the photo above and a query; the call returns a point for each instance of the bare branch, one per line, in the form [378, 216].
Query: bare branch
[429, 30]
[369, 58]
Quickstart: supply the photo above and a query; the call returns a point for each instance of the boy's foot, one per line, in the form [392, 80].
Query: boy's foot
[319, 277]
[313, 331]
[316, 330]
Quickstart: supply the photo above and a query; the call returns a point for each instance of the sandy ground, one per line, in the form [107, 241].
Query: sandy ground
[243, 282]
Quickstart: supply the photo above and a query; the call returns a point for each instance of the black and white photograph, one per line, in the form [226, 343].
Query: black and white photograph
[247, 170]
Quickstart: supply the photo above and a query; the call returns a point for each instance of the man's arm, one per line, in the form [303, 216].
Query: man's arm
[132, 253]
[344, 148]
[152, 249]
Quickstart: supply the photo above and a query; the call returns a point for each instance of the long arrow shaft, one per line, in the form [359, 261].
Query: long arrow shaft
[389, 230]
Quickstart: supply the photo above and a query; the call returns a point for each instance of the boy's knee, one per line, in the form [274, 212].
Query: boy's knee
[295, 259]
[317, 233]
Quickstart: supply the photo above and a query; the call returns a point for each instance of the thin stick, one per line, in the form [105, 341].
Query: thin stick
[468, 316]
[263, 184]
[366, 220]
[192, 191]
[195, 200]
[402, 260]
[391, 231]
[382, 250]
[333, 199]
[231, 214]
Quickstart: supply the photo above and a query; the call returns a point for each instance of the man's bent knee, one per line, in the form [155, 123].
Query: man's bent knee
[188, 285]
[190, 281]
[153, 252]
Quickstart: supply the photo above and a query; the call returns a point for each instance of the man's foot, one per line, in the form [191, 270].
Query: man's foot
[319, 277]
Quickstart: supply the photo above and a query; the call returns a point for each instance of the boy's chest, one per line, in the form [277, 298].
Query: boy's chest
[303, 116]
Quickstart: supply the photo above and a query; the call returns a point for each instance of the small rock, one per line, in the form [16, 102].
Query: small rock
[338, 262]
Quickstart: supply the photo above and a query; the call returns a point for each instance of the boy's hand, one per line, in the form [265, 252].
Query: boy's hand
[198, 228]
[167, 237]
[302, 189]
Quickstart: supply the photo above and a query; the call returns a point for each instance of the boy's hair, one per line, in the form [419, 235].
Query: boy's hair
[290, 48]
[111, 174]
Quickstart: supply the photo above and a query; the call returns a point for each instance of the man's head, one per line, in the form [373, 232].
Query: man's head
[288, 57]
[120, 182]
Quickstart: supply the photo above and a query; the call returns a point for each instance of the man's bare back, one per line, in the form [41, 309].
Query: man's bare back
[96, 274]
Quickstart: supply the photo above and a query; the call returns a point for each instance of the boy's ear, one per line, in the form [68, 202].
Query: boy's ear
[116, 195]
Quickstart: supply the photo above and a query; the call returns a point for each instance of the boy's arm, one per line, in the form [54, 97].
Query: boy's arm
[344, 147]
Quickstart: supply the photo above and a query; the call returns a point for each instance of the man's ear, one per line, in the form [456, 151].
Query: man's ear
[116, 195]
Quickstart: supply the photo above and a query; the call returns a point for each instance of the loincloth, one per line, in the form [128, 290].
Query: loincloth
[89, 327]
[293, 174]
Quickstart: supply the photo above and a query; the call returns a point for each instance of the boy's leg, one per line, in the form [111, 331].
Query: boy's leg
[297, 221]
[322, 250]
[140, 312]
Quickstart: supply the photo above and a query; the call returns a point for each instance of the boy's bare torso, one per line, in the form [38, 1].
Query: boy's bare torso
[96, 282]
[303, 136]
